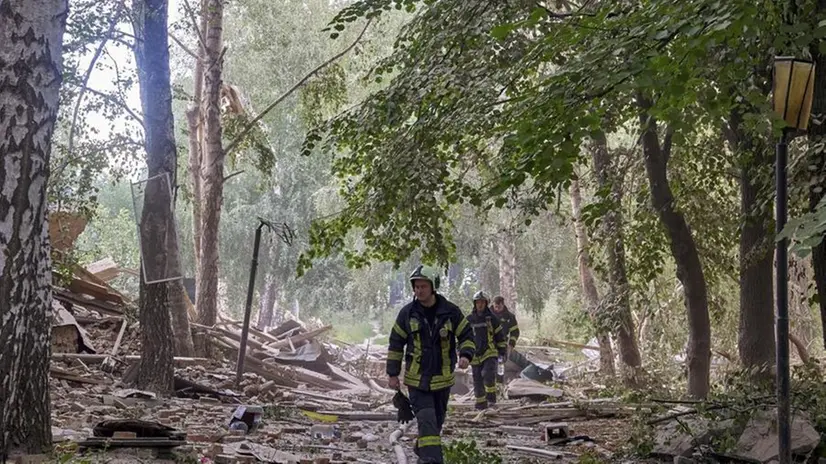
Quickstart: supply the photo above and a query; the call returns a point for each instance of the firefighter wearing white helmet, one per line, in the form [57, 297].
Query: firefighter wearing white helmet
[427, 335]
[491, 347]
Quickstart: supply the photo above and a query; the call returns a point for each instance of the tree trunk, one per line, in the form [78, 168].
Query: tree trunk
[684, 251]
[195, 125]
[756, 331]
[618, 301]
[31, 63]
[590, 294]
[268, 303]
[159, 240]
[212, 173]
[803, 325]
[507, 268]
[181, 330]
[817, 167]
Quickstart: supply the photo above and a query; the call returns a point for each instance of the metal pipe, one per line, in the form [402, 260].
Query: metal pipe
[245, 329]
[782, 297]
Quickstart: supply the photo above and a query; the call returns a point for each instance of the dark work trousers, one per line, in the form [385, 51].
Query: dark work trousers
[484, 383]
[430, 408]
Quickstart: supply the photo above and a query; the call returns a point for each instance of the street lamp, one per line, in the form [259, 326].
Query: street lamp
[792, 88]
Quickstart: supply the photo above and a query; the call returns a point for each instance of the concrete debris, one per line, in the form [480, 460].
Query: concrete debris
[304, 398]
[684, 434]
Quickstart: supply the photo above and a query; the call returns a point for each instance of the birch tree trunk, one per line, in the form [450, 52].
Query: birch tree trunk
[31, 63]
[618, 303]
[590, 294]
[195, 124]
[212, 173]
[507, 268]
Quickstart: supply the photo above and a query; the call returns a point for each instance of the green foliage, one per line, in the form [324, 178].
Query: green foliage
[806, 231]
[468, 452]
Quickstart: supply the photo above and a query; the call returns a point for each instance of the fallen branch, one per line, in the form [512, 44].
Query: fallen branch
[249, 127]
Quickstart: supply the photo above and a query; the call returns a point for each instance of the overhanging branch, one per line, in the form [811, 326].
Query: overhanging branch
[251, 125]
[88, 74]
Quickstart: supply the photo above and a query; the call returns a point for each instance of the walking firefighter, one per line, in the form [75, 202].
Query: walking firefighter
[427, 335]
[509, 326]
[491, 347]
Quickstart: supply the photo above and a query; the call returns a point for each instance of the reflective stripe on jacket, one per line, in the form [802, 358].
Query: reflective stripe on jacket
[509, 326]
[429, 351]
[488, 335]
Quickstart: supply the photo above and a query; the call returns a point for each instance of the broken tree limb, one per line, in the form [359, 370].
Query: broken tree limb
[802, 352]
[252, 124]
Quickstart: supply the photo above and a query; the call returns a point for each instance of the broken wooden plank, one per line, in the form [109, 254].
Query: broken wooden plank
[104, 269]
[361, 415]
[95, 290]
[59, 373]
[103, 307]
[300, 337]
[255, 365]
[109, 363]
[536, 451]
[346, 376]
[99, 358]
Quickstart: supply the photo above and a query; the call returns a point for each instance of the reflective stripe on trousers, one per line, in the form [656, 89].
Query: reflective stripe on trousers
[430, 408]
[484, 383]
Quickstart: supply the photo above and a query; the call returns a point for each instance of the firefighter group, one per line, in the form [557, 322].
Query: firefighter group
[433, 336]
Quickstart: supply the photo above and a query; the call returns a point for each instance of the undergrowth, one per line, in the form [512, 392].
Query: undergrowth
[734, 399]
[468, 452]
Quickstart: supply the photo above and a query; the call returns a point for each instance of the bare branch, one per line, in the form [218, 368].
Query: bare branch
[233, 175]
[119, 103]
[251, 124]
[183, 47]
[91, 67]
[195, 25]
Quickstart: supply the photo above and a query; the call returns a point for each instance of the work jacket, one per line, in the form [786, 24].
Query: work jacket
[487, 335]
[509, 326]
[429, 350]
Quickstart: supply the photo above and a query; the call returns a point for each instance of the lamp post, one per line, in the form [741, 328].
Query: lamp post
[792, 88]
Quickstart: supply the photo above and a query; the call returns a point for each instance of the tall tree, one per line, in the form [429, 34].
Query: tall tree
[195, 125]
[618, 299]
[817, 161]
[31, 42]
[506, 248]
[683, 249]
[590, 293]
[159, 242]
[756, 328]
[212, 171]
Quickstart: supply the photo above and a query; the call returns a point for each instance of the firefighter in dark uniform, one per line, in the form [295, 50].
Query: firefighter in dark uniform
[509, 326]
[491, 347]
[427, 334]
